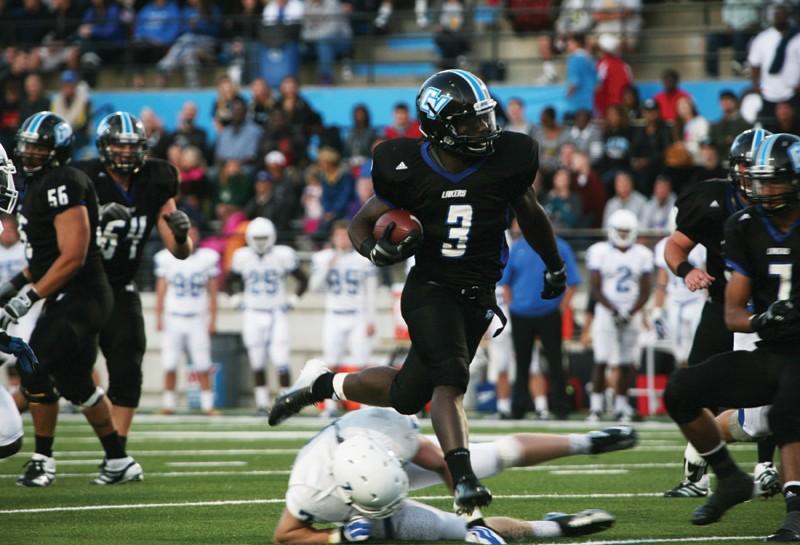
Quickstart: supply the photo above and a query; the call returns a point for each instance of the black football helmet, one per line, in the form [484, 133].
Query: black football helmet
[456, 112]
[775, 174]
[123, 131]
[8, 191]
[44, 140]
[742, 150]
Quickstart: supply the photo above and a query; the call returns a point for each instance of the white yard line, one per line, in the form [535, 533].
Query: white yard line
[588, 471]
[658, 540]
[229, 463]
[252, 472]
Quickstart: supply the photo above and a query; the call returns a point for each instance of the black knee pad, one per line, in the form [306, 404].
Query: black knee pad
[678, 402]
[39, 388]
[10, 449]
[785, 424]
[452, 372]
[406, 405]
[125, 390]
[84, 397]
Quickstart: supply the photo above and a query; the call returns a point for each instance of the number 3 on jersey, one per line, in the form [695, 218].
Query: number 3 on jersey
[460, 217]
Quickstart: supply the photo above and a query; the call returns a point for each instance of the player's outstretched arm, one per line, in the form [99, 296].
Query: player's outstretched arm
[173, 226]
[676, 254]
[363, 223]
[301, 278]
[537, 229]
[293, 530]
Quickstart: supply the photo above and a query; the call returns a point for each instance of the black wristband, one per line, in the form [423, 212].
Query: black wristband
[18, 281]
[365, 248]
[683, 269]
[32, 295]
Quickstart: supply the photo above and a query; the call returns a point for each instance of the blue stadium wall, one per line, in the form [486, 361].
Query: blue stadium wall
[336, 103]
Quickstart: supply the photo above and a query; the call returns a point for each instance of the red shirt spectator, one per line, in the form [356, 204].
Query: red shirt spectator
[667, 99]
[402, 126]
[613, 75]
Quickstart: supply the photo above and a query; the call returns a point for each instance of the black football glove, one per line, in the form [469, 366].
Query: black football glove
[114, 211]
[555, 282]
[387, 253]
[779, 313]
[179, 224]
[26, 359]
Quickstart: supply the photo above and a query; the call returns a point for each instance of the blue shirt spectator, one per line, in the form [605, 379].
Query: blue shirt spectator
[241, 138]
[524, 274]
[205, 24]
[581, 76]
[159, 22]
[104, 20]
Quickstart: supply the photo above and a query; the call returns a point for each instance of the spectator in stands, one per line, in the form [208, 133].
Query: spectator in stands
[74, 104]
[550, 136]
[364, 190]
[10, 117]
[585, 135]
[667, 98]
[626, 198]
[282, 23]
[59, 46]
[617, 143]
[32, 20]
[581, 77]
[710, 165]
[299, 112]
[235, 188]
[277, 194]
[242, 33]
[650, 143]
[102, 32]
[786, 119]
[742, 19]
[358, 146]
[563, 207]
[451, 34]
[659, 206]
[613, 75]
[156, 134]
[326, 29]
[286, 139]
[691, 127]
[402, 125]
[517, 121]
[200, 28]
[574, 18]
[193, 175]
[240, 139]
[312, 200]
[774, 78]
[320, 136]
[227, 92]
[338, 190]
[157, 27]
[729, 126]
[261, 104]
[618, 17]
[35, 99]
[187, 133]
[589, 188]
[631, 106]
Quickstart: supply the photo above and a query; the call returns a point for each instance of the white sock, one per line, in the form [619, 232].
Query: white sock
[504, 406]
[545, 528]
[622, 406]
[262, 397]
[541, 404]
[115, 464]
[596, 402]
[338, 386]
[579, 443]
[206, 400]
[509, 451]
[168, 400]
[692, 456]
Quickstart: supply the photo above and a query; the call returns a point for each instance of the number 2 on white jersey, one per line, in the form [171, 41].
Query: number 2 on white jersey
[460, 217]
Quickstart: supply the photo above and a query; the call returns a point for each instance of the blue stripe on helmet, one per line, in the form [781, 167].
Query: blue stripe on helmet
[36, 122]
[758, 137]
[127, 126]
[473, 82]
[765, 149]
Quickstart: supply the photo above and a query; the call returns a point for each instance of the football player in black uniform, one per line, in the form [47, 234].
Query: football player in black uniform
[702, 211]
[762, 251]
[461, 181]
[59, 218]
[135, 194]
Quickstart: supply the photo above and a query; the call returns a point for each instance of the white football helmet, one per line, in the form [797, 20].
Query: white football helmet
[623, 228]
[370, 477]
[260, 235]
[8, 191]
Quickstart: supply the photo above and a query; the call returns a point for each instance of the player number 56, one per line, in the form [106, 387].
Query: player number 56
[57, 196]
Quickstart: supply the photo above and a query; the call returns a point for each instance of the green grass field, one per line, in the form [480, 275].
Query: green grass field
[221, 481]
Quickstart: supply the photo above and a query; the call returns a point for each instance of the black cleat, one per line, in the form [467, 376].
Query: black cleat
[290, 404]
[588, 521]
[730, 491]
[790, 530]
[687, 489]
[470, 494]
[613, 438]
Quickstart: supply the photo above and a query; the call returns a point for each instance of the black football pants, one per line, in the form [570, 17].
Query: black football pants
[712, 336]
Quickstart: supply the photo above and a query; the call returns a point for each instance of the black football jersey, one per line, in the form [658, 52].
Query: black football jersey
[122, 243]
[702, 211]
[464, 215]
[47, 195]
[771, 259]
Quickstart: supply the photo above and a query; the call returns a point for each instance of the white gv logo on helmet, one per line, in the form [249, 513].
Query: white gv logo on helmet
[794, 155]
[432, 102]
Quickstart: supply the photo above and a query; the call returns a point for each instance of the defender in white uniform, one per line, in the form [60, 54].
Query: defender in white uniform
[350, 283]
[620, 271]
[355, 473]
[186, 312]
[264, 268]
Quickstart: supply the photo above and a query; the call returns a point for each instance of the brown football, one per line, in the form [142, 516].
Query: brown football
[404, 224]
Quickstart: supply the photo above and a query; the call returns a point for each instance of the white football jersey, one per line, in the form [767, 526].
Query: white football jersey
[264, 275]
[620, 271]
[12, 260]
[676, 289]
[313, 495]
[348, 279]
[187, 280]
